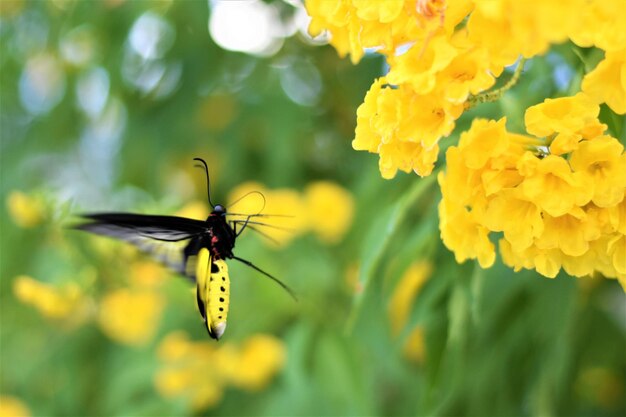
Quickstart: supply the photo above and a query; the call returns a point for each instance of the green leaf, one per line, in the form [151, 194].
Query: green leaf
[380, 237]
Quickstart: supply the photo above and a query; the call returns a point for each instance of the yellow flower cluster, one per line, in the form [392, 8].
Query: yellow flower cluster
[67, 303]
[128, 316]
[324, 208]
[442, 53]
[131, 315]
[557, 198]
[199, 372]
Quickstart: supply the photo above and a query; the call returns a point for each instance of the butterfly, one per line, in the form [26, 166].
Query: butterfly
[193, 248]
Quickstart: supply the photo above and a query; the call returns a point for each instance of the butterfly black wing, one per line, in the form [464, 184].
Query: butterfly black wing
[163, 237]
[126, 226]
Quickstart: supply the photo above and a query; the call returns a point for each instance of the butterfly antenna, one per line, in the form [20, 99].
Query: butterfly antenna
[276, 280]
[208, 183]
[246, 195]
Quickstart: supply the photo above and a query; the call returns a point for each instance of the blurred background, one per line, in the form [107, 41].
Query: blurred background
[105, 103]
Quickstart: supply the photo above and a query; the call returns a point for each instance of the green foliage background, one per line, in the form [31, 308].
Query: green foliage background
[497, 342]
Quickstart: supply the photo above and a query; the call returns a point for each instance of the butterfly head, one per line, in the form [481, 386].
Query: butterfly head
[219, 209]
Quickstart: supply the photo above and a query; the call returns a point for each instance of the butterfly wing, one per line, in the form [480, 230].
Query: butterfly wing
[163, 237]
[127, 226]
[212, 291]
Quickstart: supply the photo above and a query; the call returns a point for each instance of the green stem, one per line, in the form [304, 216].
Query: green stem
[496, 94]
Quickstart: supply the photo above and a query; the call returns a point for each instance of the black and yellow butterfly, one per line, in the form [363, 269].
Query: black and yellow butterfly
[194, 248]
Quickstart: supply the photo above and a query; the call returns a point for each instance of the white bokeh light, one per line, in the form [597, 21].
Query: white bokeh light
[151, 36]
[42, 83]
[92, 91]
[252, 27]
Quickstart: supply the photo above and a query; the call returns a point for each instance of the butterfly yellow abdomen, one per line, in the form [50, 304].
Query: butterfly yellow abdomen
[213, 286]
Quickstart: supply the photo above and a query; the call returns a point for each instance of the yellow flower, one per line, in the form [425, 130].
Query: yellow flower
[468, 73]
[550, 183]
[198, 372]
[407, 157]
[400, 304]
[330, 208]
[130, 317]
[508, 28]
[405, 139]
[600, 23]
[485, 140]
[188, 371]
[419, 66]
[257, 362]
[13, 407]
[604, 162]
[570, 119]
[25, 211]
[385, 25]
[287, 204]
[544, 207]
[325, 208]
[404, 294]
[519, 219]
[607, 82]
[54, 302]
[547, 262]
[147, 274]
[462, 233]
[617, 217]
[415, 347]
[198, 210]
[617, 251]
[568, 233]
[382, 11]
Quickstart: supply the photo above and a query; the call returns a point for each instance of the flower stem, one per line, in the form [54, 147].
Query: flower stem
[496, 94]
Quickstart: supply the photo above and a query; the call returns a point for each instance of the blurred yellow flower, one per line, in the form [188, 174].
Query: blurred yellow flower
[352, 278]
[147, 274]
[217, 112]
[601, 386]
[600, 23]
[252, 198]
[330, 210]
[400, 304]
[406, 291]
[130, 316]
[324, 208]
[25, 210]
[198, 210]
[415, 347]
[200, 371]
[54, 302]
[13, 407]
[255, 362]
